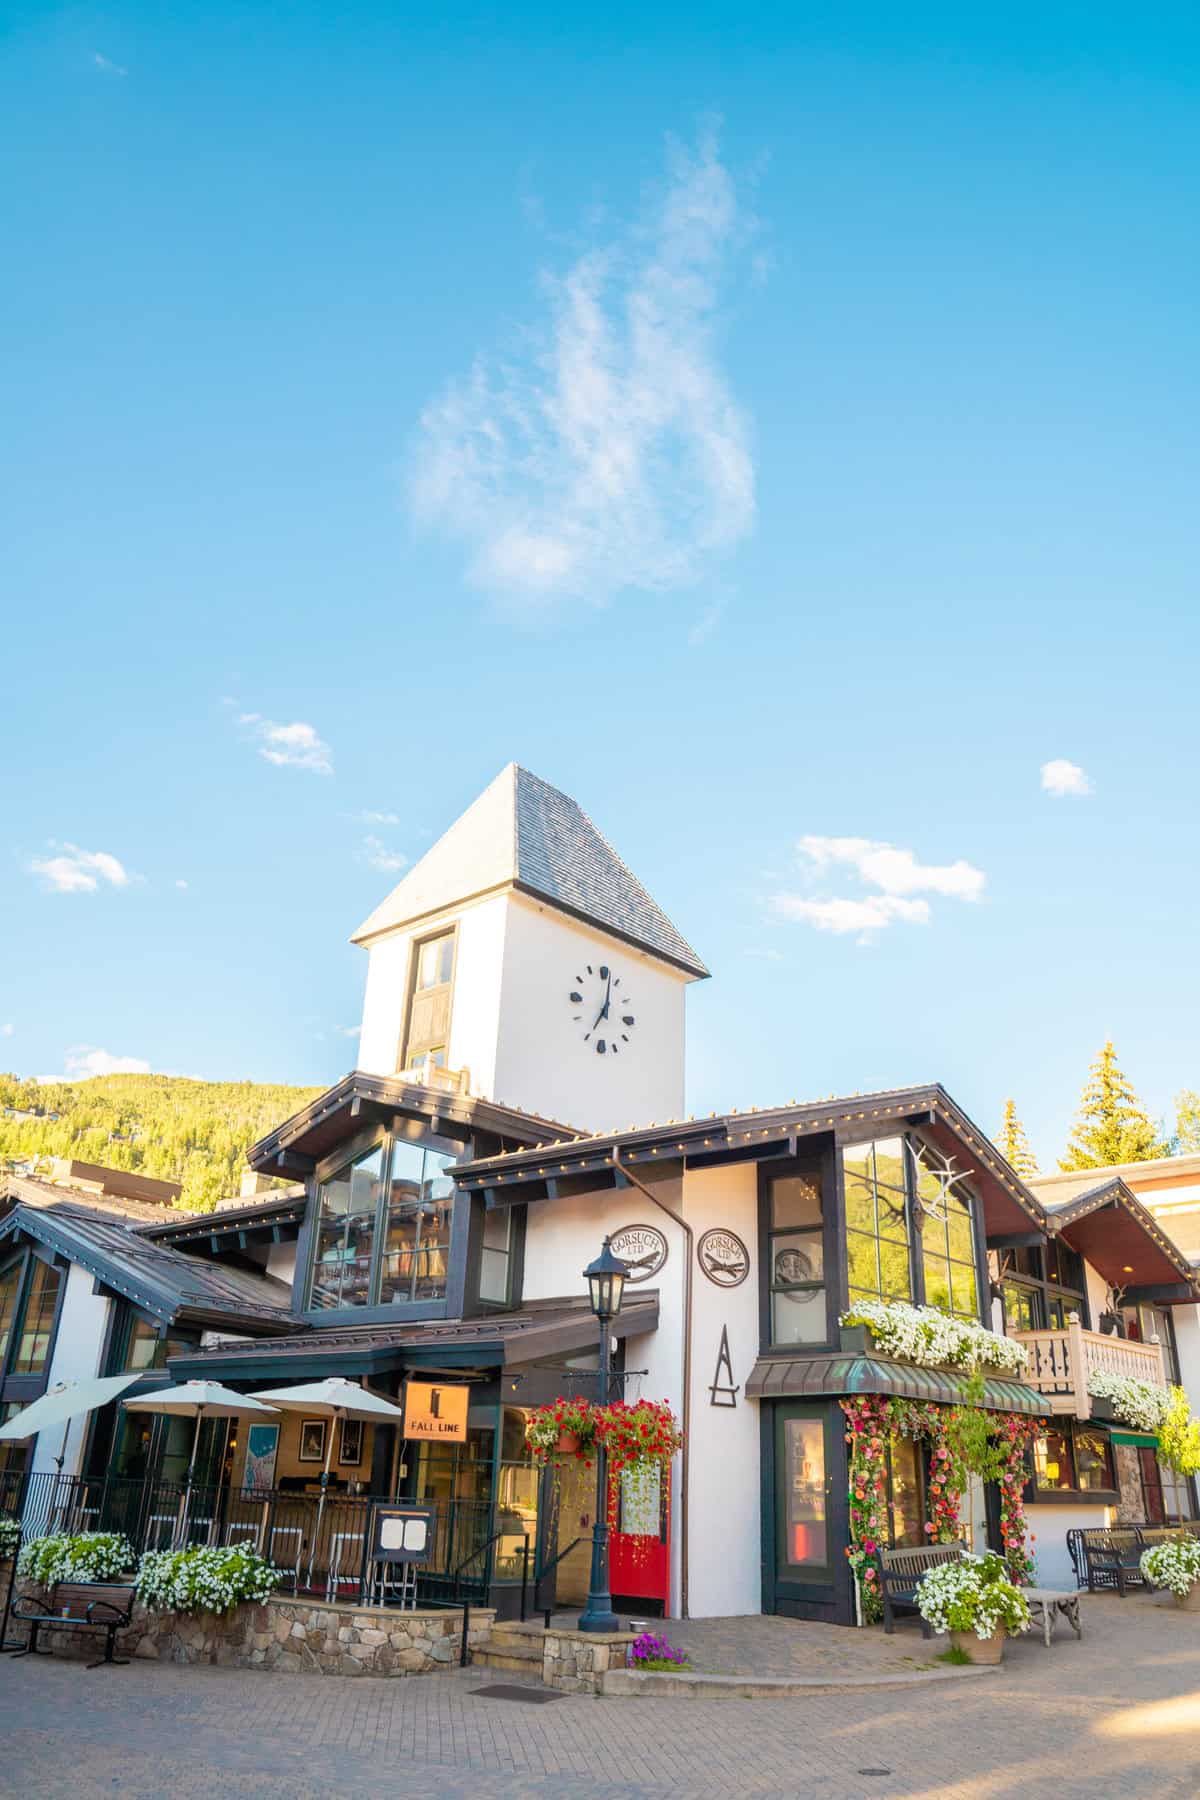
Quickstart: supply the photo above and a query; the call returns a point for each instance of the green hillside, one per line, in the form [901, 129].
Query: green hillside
[196, 1132]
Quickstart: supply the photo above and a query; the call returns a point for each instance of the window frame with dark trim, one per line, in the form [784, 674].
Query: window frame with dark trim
[1071, 1433]
[439, 1042]
[30, 1384]
[1044, 1291]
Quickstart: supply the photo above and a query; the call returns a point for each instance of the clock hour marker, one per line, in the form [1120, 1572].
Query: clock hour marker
[601, 1046]
[604, 971]
[627, 1019]
[624, 1037]
[575, 999]
[589, 968]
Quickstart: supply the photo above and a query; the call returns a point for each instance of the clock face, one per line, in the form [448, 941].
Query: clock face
[602, 1010]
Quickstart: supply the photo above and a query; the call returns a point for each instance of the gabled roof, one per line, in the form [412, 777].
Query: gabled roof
[1103, 1219]
[153, 1276]
[523, 833]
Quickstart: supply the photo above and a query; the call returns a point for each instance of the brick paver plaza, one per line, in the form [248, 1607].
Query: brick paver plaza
[1115, 1715]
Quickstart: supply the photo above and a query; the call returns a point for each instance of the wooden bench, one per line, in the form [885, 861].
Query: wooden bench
[900, 1573]
[79, 1606]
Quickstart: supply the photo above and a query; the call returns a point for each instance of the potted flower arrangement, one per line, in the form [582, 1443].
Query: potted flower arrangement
[1176, 1566]
[652, 1653]
[10, 1536]
[88, 1556]
[206, 1579]
[566, 1428]
[976, 1603]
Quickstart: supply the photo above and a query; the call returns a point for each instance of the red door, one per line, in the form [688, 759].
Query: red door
[639, 1555]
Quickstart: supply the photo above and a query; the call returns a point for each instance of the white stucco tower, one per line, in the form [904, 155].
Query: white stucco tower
[521, 950]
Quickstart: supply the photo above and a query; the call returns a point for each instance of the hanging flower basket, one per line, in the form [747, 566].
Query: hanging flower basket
[642, 1439]
[565, 1428]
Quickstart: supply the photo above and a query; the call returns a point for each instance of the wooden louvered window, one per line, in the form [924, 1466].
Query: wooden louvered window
[428, 1032]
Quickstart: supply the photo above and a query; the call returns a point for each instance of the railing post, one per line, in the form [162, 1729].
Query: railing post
[524, 1574]
[1162, 1361]
[1079, 1366]
[464, 1654]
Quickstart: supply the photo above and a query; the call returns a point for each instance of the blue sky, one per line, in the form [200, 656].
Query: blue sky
[775, 426]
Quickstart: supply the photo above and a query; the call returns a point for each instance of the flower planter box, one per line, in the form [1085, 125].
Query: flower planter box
[1189, 1602]
[980, 1650]
[568, 1443]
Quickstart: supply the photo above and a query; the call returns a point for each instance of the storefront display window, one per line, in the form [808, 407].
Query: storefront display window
[906, 1504]
[1073, 1459]
[516, 1497]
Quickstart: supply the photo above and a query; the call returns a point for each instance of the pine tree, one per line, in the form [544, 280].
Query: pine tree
[1112, 1126]
[1013, 1145]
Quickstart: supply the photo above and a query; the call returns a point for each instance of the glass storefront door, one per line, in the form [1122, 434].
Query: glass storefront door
[805, 1575]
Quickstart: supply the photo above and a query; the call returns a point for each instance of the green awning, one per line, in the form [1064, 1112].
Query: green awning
[1144, 1439]
[815, 1377]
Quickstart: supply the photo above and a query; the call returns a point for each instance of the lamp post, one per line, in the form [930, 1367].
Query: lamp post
[606, 1285]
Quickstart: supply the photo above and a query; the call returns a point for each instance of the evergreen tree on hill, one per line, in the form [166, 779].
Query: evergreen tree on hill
[1013, 1144]
[1111, 1126]
[195, 1132]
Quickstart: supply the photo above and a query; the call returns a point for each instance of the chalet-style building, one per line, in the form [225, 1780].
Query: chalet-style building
[438, 1218]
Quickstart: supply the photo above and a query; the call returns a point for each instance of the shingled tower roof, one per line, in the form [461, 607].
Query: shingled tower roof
[523, 833]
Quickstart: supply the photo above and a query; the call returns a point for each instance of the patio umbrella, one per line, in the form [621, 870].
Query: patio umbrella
[65, 1401]
[333, 1398]
[199, 1400]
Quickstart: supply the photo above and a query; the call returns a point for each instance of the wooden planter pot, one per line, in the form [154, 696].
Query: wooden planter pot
[568, 1443]
[980, 1650]
[1189, 1602]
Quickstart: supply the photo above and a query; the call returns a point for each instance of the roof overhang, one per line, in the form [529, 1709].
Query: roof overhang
[547, 1171]
[544, 1331]
[267, 1221]
[840, 1377]
[1124, 1243]
[294, 1148]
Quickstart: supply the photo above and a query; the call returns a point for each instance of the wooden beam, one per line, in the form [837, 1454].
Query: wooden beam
[1160, 1293]
[1016, 1240]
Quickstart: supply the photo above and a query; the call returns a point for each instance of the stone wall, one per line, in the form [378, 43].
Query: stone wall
[289, 1635]
[576, 1662]
[6, 1575]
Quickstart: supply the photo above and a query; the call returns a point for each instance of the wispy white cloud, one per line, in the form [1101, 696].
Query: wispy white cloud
[109, 67]
[706, 623]
[7, 1030]
[76, 871]
[376, 852]
[294, 746]
[765, 955]
[84, 1060]
[181, 884]
[894, 871]
[610, 453]
[376, 818]
[1060, 777]
[901, 879]
[350, 1031]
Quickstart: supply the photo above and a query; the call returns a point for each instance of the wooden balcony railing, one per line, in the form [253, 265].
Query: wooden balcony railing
[1063, 1360]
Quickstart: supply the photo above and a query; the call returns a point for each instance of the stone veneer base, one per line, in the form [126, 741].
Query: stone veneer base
[288, 1635]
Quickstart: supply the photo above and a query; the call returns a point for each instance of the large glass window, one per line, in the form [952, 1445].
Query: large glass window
[146, 1348]
[416, 1243]
[516, 1497]
[906, 1505]
[1053, 1464]
[37, 1324]
[347, 1208]
[947, 1242]
[1073, 1459]
[796, 1251]
[877, 1253]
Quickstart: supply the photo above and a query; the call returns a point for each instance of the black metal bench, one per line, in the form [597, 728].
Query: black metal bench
[79, 1606]
[900, 1573]
[1108, 1558]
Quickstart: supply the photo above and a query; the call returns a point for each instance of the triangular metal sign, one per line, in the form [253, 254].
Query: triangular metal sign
[723, 1393]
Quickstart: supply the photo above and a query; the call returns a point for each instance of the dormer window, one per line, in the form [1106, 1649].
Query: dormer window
[384, 1239]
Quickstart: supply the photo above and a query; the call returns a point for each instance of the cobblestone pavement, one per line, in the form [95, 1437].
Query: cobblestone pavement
[1115, 1715]
[767, 1646]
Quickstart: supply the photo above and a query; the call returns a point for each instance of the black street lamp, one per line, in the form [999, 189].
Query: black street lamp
[606, 1287]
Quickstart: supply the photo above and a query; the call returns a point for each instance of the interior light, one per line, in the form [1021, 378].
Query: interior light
[1127, 1268]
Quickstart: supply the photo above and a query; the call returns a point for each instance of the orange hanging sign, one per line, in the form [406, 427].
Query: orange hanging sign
[435, 1412]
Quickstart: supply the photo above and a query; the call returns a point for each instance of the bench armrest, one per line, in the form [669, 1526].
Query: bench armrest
[117, 1615]
[17, 1609]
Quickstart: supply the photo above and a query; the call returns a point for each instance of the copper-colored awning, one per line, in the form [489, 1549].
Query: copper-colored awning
[818, 1377]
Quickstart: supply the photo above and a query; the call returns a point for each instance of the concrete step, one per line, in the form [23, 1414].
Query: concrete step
[508, 1653]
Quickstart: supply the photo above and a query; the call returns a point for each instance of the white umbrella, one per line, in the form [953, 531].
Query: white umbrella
[199, 1400]
[331, 1399]
[64, 1402]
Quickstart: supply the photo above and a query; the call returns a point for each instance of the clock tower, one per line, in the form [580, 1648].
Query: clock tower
[523, 957]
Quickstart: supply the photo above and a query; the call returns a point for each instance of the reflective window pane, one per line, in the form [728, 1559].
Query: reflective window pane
[37, 1325]
[798, 1317]
[795, 1200]
[494, 1256]
[435, 961]
[416, 1247]
[1052, 1460]
[347, 1207]
[10, 1288]
[1093, 1460]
